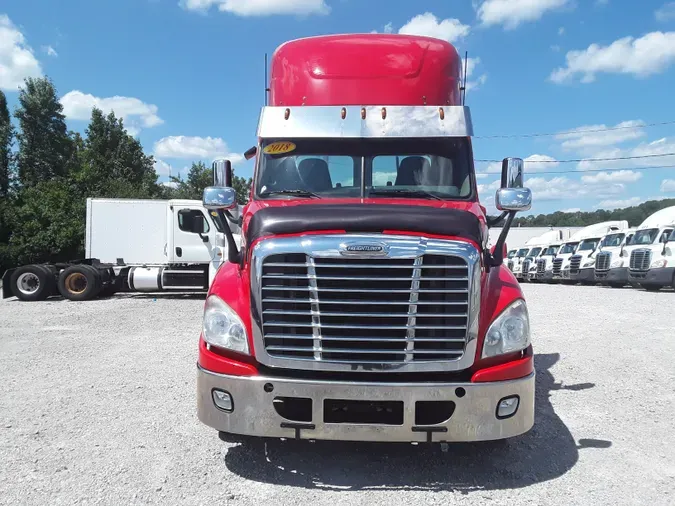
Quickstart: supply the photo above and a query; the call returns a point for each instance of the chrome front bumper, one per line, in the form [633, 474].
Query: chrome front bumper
[474, 417]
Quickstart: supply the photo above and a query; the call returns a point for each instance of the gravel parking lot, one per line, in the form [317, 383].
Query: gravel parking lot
[97, 406]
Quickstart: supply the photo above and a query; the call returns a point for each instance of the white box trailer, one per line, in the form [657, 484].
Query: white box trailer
[133, 245]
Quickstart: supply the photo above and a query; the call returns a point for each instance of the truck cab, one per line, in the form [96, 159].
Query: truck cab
[518, 259]
[610, 251]
[364, 303]
[544, 271]
[648, 243]
[573, 262]
[539, 247]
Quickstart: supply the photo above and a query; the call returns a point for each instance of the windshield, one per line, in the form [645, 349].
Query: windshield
[588, 244]
[511, 253]
[534, 252]
[645, 236]
[568, 248]
[612, 240]
[438, 168]
[551, 250]
[522, 252]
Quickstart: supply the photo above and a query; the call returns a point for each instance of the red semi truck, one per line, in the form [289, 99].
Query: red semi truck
[364, 303]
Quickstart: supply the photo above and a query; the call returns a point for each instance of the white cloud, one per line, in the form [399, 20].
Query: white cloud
[471, 64]
[533, 163]
[620, 176]
[571, 210]
[646, 149]
[162, 168]
[561, 30]
[388, 28]
[259, 7]
[619, 204]
[429, 25]
[170, 184]
[556, 48]
[135, 113]
[17, 60]
[666, 12]
[202, 148]
[581, 138]
[564, 188]
[50, 51]
[512, 13]
[651, 54]
[668, 186]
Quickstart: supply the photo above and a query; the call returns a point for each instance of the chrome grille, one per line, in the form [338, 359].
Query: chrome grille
[526, 266]
[575, 264]
[640, 260]
[541, 266]
[557, 266]
[510, 265]
[364, 310]
[603, 261]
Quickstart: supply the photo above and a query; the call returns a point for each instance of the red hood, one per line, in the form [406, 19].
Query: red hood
[257, 205]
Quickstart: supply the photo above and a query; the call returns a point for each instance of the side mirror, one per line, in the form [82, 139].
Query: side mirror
[222, 172]
[512, 172]
[513, 199]
[218, 198]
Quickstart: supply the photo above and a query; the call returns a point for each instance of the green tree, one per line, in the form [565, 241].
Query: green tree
[112, 162]
[6, 134]
[199, 177]
[45, 148]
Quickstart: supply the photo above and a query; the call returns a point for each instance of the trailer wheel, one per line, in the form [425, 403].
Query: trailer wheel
[650, 287]
[79, 282]
[32, 283]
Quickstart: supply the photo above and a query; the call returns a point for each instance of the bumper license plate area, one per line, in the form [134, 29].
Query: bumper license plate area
[363, 412]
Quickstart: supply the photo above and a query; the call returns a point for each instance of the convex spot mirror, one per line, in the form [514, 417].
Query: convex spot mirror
[218, 197]
[512, 196]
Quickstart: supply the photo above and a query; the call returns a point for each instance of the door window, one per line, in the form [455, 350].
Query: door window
[187, 218]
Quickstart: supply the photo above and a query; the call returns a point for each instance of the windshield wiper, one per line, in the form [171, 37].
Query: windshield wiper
[406, 193]
[298, 193]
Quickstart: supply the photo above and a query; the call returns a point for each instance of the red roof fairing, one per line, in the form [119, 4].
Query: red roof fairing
[367, 69]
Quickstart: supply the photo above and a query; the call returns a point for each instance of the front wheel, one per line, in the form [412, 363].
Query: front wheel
[616, 285]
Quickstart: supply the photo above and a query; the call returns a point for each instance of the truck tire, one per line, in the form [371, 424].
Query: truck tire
[616, 285]
[79, 282]
[32, 283]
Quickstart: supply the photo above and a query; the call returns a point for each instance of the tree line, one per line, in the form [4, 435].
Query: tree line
[633, 215]
[47, 172]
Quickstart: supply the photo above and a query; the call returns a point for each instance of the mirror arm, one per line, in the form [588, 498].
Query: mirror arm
[233, 254]
[494, 221]
[233, 220]
[498, 258]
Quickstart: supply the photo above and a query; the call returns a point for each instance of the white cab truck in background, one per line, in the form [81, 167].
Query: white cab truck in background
[650, 256]
[562, 262]
[540, 246]
[516, 263]
[544, 271]
[133, 245]
[611, 251]
[582, 263]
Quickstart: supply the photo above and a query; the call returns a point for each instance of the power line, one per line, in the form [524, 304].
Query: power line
[571, 132]
[600, 170]
[577, 160]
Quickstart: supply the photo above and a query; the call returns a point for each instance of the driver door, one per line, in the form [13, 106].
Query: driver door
[194, 236]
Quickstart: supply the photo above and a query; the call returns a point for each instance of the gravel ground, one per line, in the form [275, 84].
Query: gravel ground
[97, 406]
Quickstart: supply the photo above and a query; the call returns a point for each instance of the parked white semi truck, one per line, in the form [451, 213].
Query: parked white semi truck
[651, 232]
[544, 271]
[540, 246]
[133, 245]
[582, 263]
[612, 250]
[651, 255]
[581, 246]
[531, 247]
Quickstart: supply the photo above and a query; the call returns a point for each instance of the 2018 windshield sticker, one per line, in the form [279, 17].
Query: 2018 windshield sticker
[279, 148]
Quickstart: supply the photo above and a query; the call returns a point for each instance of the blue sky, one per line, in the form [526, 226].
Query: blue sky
[187, 75]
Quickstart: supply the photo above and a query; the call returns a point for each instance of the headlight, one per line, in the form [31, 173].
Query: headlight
[510, 331]
[616, 264]
[590, 263]
[222, 327]
[659, 264]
